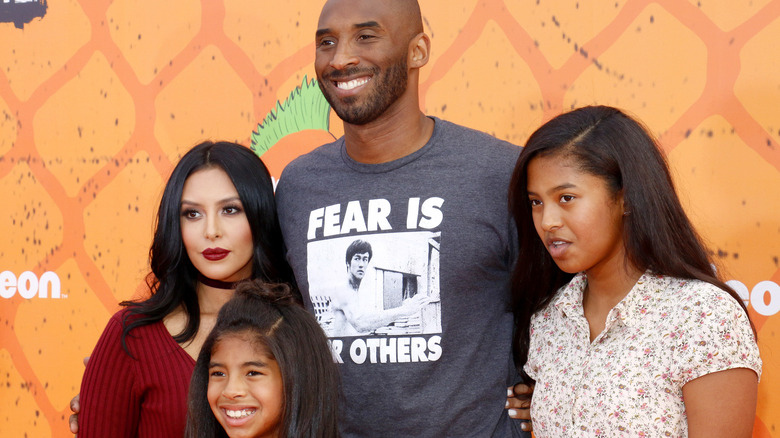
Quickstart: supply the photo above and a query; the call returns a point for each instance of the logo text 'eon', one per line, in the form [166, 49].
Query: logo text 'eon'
[29, 285]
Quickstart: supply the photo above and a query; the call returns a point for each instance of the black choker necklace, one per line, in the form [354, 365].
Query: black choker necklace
[216, 283]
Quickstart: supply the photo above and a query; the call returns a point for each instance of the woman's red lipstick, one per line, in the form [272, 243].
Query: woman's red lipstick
[214, 254]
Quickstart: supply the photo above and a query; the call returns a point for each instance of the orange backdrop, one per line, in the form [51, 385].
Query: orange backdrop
[99, 98]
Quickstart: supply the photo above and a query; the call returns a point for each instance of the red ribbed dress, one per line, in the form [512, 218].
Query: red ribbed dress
[143, 396]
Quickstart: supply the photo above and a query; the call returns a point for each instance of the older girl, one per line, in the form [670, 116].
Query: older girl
[621, 318]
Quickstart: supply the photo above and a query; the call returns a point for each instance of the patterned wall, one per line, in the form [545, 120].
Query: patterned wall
[98, 98]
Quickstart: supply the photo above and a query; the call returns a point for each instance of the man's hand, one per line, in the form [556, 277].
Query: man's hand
[73, 422]
[518, 403]
[74, 418]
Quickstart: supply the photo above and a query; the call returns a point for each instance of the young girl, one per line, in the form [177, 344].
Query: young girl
[621, 319]
[216, 225]
[264, 371]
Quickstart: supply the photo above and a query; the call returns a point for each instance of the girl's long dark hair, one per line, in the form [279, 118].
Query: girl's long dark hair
[295, 340]
[658, 235]
[173, 278]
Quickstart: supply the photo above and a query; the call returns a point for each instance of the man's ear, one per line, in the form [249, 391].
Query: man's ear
[419, 50]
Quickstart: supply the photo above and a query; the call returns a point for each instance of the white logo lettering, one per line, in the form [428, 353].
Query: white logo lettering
[29, 285]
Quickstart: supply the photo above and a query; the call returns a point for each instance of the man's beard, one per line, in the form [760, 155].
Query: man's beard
[388, 87]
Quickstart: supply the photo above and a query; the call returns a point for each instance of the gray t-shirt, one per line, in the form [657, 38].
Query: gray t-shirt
[421, 324]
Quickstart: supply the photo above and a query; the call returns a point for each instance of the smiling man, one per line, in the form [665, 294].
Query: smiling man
[368, 55]
[435, 195]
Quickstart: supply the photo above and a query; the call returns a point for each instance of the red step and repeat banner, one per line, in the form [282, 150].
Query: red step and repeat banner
[99, 98]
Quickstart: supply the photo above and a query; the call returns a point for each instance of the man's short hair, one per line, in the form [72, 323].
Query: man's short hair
[359, 247]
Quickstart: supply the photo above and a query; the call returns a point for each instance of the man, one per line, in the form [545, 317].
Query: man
[438, 191]
[350, 317]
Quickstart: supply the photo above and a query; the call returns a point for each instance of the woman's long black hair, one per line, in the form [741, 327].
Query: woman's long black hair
[604, 142]
[173, 277]
[310, 377]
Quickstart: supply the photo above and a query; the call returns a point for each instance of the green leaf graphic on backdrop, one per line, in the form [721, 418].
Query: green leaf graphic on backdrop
[305, 108]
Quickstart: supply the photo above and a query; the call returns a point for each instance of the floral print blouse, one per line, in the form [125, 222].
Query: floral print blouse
[628, 381]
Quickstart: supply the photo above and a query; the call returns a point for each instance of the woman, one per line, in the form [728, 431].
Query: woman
[621, 319]
[216, 225]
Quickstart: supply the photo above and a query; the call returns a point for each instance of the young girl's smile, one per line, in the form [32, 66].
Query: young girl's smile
[575, 214]
[245, 389]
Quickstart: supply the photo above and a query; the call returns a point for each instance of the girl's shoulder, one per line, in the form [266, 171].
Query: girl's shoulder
[697, 300]
[697, 292]
[711, 330]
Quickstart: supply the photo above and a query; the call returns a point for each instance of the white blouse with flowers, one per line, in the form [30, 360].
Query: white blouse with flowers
[628, 381]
